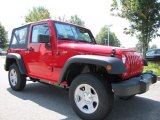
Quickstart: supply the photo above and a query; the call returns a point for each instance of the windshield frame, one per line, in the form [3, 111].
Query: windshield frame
[70, 39]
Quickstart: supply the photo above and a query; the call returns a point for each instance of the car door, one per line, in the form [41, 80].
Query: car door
[157, 54]
[39, 55]
[150, 54]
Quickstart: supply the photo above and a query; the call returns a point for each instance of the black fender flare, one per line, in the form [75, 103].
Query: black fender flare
[117, 65]
[17, 57]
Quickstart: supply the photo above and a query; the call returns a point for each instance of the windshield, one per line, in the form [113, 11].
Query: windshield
[70, 32]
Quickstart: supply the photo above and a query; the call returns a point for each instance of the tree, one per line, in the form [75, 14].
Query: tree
[76, 20]
[143, 16]
[3, 37]
[62, 18]
[154, 46]
[103, 35]
[37, 14]
[139, 46]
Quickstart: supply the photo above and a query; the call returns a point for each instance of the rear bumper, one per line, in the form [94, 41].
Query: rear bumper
[136, 85]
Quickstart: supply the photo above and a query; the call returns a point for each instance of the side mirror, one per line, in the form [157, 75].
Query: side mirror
[43, 38]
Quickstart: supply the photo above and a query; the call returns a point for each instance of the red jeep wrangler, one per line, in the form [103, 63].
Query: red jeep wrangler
[67, 55]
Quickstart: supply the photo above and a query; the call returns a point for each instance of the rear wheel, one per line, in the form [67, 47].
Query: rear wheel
[17, 81]
[91, 97]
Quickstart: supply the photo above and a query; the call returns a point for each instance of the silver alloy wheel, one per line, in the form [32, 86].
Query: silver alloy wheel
[86, 98]
[13, 77]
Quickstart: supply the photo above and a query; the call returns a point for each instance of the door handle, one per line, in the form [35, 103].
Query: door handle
[30, 49]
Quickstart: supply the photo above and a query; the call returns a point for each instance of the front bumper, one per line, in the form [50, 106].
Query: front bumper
[136, 85]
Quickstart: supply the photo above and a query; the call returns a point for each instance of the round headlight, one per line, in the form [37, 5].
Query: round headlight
[124, 59]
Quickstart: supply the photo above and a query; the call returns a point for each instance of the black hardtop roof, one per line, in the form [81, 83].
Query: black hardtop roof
[46, 20]
[28, 24]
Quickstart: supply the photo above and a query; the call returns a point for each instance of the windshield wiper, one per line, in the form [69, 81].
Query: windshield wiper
[76, 40]
[83, 41]
[60, 38]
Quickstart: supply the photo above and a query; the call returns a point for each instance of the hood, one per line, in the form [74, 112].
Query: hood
[91, 48]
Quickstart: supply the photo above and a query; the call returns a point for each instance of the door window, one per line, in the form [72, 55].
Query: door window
[39, 29]
[158, 52]
[150, 53]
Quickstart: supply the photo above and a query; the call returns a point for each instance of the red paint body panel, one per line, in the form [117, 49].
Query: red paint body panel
[47, 64]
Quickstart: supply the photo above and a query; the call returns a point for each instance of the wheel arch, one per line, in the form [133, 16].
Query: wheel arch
[77, 63]
[15, 58]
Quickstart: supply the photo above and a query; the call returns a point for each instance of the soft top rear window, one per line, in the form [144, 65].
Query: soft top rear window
[19, 37]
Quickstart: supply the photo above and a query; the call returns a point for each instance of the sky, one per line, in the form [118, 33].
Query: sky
[95, 13]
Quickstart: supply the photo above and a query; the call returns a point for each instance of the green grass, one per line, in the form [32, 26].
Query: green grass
[154, 66]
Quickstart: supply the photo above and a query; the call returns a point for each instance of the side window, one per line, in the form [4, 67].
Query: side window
[14, 41]
[39, 29]
[158, 52]
[19, 38]
[150, 53]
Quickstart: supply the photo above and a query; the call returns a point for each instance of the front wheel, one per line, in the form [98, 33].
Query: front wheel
[17, 81]
[91, 97]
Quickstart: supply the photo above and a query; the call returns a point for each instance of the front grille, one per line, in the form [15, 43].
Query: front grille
[134, 64]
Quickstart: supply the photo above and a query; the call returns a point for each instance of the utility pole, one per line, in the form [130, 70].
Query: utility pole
[108, 32]
[105, 42]
[108, 36]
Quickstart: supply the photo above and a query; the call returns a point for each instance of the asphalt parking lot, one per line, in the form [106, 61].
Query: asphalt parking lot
[42, 102]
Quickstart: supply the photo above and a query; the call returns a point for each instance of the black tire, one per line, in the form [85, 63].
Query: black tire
[103, 91]
[20, 79]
